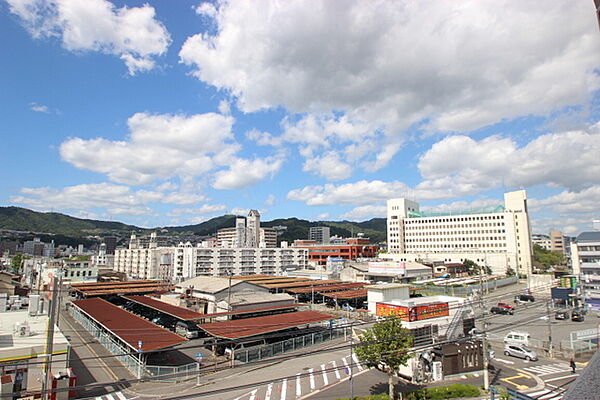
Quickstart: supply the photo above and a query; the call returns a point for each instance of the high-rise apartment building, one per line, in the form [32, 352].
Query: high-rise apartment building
[320, 234]
[498, 237]
[247, 233]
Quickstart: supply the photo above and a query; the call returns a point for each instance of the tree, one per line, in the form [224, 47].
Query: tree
[510, 271]
[16, 263]
[543, 258]
[385, 346]
[472, 267]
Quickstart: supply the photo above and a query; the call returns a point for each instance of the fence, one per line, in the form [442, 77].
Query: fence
[260, 352]
[166, 373]
[122, 353]
[468, 290]
[132, 361]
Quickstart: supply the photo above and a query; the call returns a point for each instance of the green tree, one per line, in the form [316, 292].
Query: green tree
[472, 267]
[510, 271]
[385, 346]
[16, 263]
[543, 258]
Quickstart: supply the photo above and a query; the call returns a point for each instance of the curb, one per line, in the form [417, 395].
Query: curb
[540, 384]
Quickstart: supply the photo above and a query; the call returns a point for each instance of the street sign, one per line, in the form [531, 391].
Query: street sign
[140, 345]
[199, 356]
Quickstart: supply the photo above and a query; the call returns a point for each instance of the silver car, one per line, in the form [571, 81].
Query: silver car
[520, 351]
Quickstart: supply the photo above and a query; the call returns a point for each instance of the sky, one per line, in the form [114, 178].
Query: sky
[165, 113]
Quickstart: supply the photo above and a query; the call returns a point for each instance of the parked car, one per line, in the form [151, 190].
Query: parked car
[505, 305]
[514, 337]
[561, 314]
[520, 351]
[524, 298]
[501, 310]
[577, 316]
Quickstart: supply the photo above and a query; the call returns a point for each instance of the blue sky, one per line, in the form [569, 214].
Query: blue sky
[170, 113]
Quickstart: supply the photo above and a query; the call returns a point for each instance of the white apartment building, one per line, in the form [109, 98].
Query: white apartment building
[247, 233]
[498, 237]
[320, 234]
[185, 261]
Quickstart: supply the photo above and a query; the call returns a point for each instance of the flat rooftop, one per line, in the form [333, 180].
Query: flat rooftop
[128, 327]
[243, 328]
[37, 329]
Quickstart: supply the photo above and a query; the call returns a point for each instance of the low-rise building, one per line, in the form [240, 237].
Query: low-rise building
[350, 249]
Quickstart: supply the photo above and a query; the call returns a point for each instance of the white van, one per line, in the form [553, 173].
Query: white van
[514, 337]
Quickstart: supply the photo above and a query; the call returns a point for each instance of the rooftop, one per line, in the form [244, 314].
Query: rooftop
[210, 284]
[37, 328]
[592, 236]
[470, 211]
[175, 311]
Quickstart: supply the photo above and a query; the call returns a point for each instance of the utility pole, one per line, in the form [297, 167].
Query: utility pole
[550, 350]
[351, 362]
[49, 339]
[486, 373]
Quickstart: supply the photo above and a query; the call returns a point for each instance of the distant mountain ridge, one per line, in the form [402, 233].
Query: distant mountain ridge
[23, 219]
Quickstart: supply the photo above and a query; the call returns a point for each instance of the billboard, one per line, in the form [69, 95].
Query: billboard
[414, 313]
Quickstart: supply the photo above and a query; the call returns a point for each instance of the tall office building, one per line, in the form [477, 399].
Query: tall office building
[498, 237]
[320, 234]
[247, 233]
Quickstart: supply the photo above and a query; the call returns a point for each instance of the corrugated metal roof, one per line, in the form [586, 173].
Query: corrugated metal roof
[102, 284]
[115, 287]
[243, 328]
[588, 237]
[348, 294]
[327, 288]
[160, 288]
[128, 327]
[175, 311]
[299, 284]
[210, 284]
[253, 310]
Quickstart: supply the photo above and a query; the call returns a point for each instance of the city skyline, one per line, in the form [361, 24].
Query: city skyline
[171, 114]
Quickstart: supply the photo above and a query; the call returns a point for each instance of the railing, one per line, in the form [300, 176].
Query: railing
[164, 373]
[260, 352]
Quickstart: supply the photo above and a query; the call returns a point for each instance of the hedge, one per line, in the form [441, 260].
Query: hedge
[444, 392]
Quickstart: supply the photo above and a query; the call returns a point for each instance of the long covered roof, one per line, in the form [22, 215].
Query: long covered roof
[243, 328]
[175, 311]
[89, 285]
[299, 284]
[348, 294]
[128, 327]
[253, 310]
[125, 290]
[328, 288]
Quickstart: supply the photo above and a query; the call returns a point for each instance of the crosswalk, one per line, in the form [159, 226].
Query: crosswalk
[549, 369]
[305, 382]
[109, 396]
[546, 395]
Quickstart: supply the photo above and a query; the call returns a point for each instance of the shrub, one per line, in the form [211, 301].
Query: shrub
[444, 392]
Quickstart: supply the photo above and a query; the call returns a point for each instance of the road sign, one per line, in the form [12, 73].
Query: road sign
[199, 356]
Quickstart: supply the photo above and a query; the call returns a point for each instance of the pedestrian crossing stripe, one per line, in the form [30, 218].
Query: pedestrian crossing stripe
[545, 395]
[112, 396]
[542, 370]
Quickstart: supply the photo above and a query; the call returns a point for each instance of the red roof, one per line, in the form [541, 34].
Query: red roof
[128, 327]
[124, 290]
[347, 294]
[252, 310]
[327, 288]
[299, 284]
[175, 311]
[242, 328]
[90, 285]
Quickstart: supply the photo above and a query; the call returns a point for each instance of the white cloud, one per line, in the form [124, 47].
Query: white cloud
[329, 166]
[133, 33]
[362, 73]
[116, 199]
[567, 202]
[321, 217]
[39, 108]
[270, 200]
[204, 209]
[164, 146]
[239, 211]
[224, 107]
[357, 193]
[264, 138]
[363, 213]
[243, 173]
[564, 159]
[183, 198]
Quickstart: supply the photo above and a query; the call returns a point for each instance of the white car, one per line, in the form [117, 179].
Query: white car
[520, 351]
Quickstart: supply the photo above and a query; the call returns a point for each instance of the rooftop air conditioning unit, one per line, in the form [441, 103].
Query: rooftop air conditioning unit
[22, 329]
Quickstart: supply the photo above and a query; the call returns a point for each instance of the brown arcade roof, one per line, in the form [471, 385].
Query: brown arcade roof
[348, 294]
[243, 328]
[175, 311]
[128, 327]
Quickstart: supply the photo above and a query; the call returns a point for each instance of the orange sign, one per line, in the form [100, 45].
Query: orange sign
[411, 314]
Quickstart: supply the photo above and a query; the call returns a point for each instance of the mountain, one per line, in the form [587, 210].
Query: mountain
[22, 219]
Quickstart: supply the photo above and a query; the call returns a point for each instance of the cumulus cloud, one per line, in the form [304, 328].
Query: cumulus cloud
[270, 200]
[131, 33]
[116, 199]
[183, 198]
[243, 173]
[163, 146]
[203, 210]
[39, 108]
[382, 67]
[564, 159]
[568, 202]
[365, 212]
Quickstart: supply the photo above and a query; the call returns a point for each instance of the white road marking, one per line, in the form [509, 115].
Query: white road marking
[121, 396]
[357, 362]
[325, 379]
[337, 372]
[542, 370]
[504, 361]
[253, 394]
[560, 377]
[269, 390]
[298, 388]
[109, 397]
[347, 367]
[312, 379]
[283, 389]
